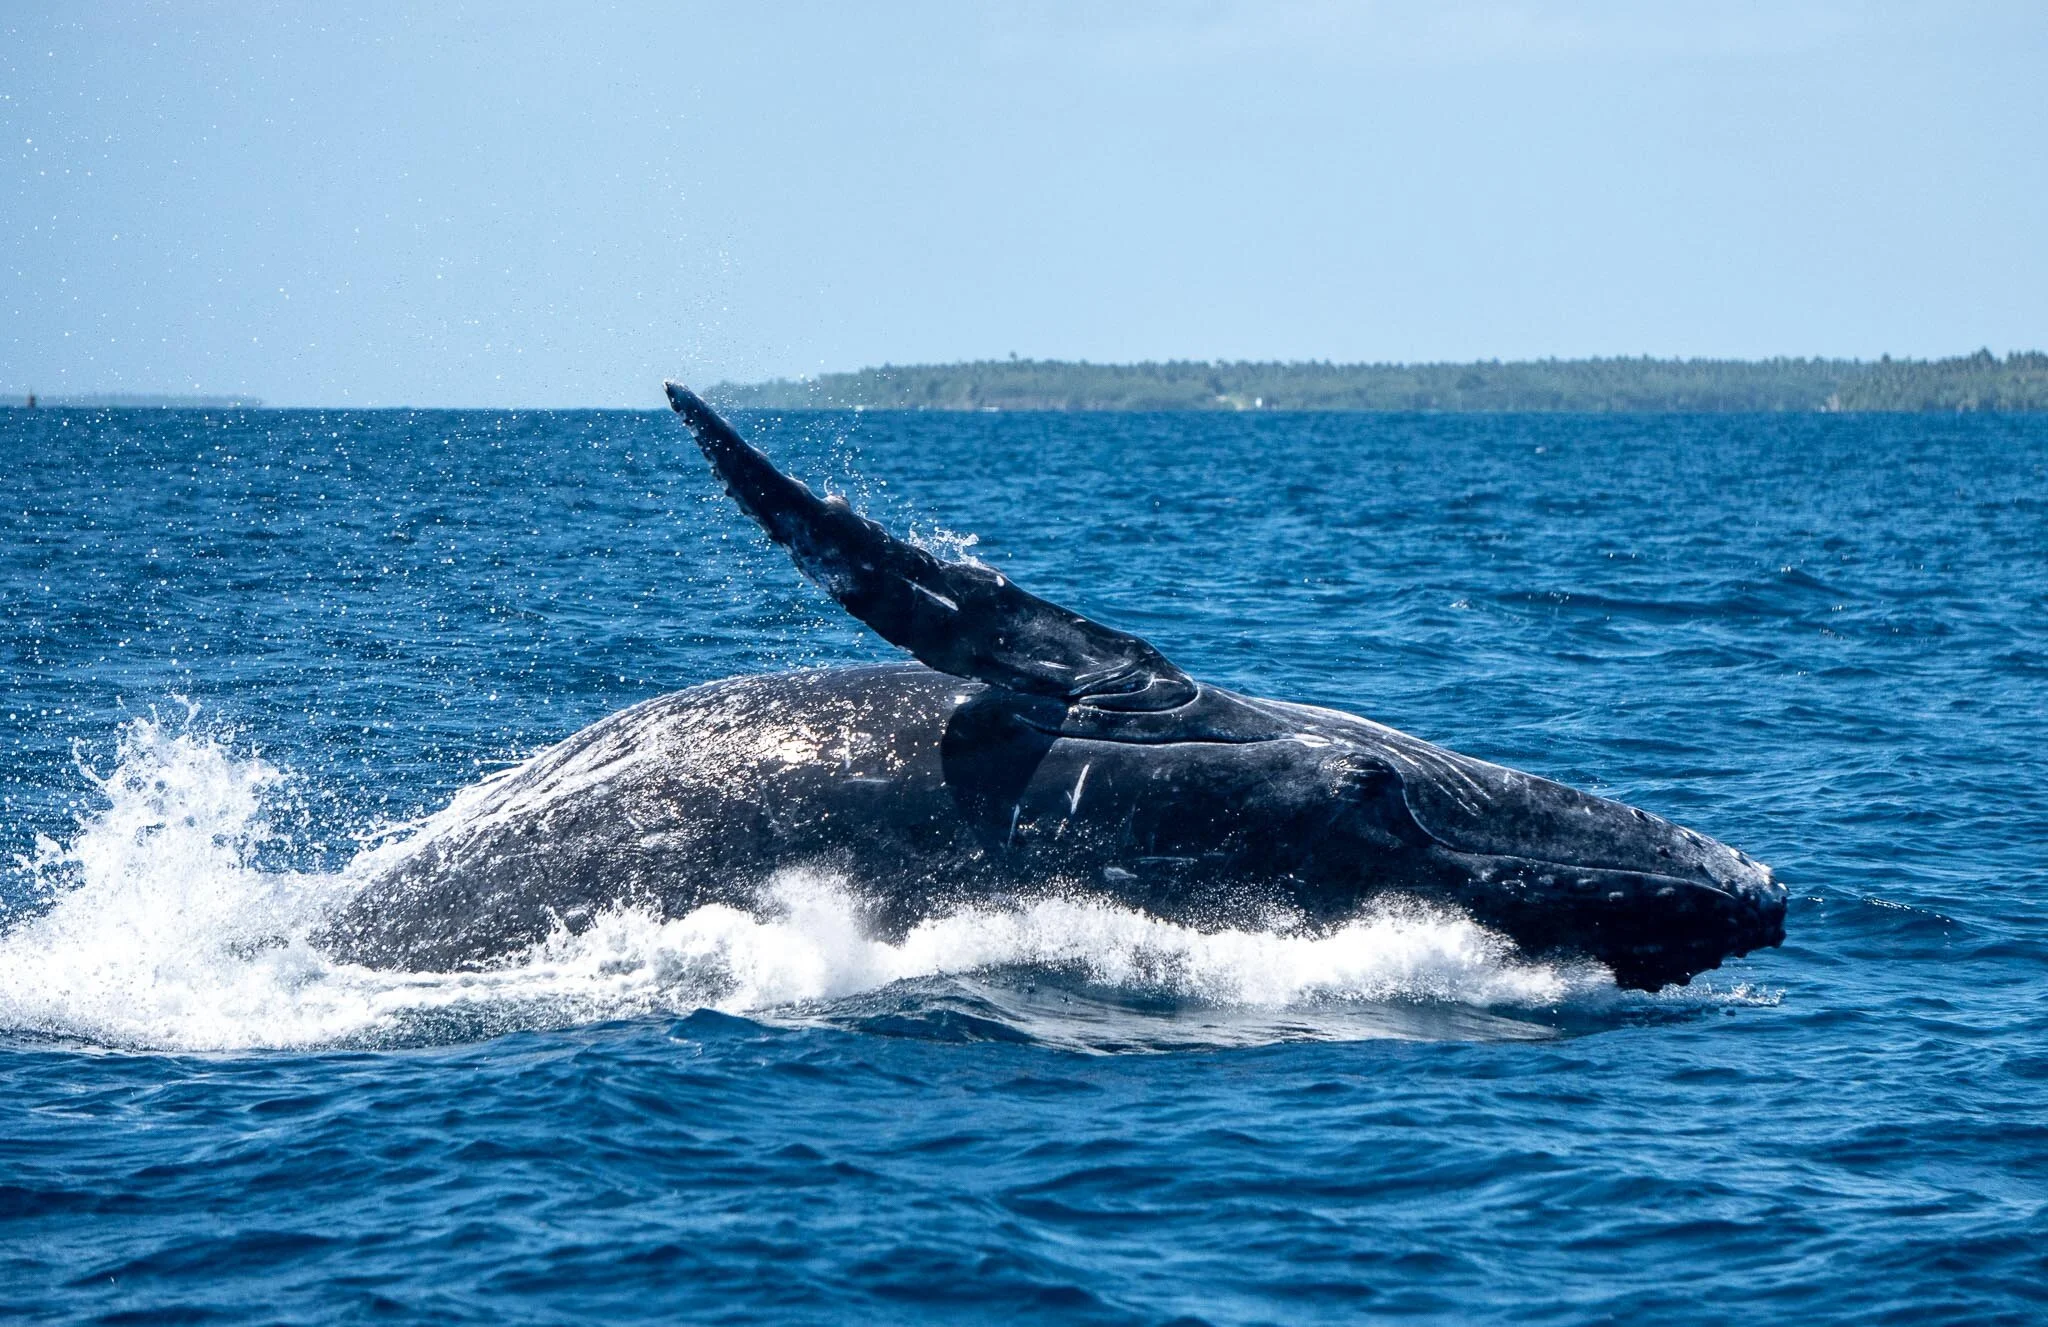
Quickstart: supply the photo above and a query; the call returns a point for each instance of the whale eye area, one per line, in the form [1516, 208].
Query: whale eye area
[1363, 778]
[1370, 805]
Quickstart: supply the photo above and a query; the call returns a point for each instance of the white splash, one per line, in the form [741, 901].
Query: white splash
[161, 931]
[947, 545]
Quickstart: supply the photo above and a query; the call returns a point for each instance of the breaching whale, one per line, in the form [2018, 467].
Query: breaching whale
[1031, 750]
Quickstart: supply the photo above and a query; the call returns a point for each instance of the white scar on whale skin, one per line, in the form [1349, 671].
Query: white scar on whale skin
[1074, 798]
[936, 598]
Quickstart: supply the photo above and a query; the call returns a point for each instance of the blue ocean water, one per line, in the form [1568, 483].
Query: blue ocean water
[239, 650]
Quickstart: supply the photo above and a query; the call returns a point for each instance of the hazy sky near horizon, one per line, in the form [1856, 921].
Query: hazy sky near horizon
[533, 204]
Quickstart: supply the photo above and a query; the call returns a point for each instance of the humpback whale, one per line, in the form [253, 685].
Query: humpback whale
[1030, 750]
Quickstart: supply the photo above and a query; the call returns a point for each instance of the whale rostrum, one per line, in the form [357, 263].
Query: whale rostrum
[1032, 751]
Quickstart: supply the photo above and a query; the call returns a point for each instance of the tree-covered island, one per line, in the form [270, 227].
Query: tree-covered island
[1979, 382]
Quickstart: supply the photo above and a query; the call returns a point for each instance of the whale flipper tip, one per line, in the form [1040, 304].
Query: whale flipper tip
[958, 617]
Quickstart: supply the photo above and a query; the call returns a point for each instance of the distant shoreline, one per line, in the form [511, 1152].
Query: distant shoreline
[1979, 382]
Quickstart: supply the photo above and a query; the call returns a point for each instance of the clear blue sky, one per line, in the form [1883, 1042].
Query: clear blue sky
[513, 204]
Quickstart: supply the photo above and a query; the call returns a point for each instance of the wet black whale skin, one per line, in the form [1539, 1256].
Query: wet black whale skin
[927, 792]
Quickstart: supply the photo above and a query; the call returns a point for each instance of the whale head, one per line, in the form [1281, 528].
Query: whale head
[1564, 871]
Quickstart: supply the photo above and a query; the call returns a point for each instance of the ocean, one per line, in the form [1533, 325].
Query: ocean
[242, 652]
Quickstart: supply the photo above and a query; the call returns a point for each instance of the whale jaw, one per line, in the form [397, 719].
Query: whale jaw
[1651, 930]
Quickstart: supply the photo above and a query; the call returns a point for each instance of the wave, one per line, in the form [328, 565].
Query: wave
[158, 925]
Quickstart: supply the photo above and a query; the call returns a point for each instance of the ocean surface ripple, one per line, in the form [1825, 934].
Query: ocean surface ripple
[244, 654]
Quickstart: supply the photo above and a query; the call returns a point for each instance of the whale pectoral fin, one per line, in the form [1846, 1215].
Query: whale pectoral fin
[957, 617]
